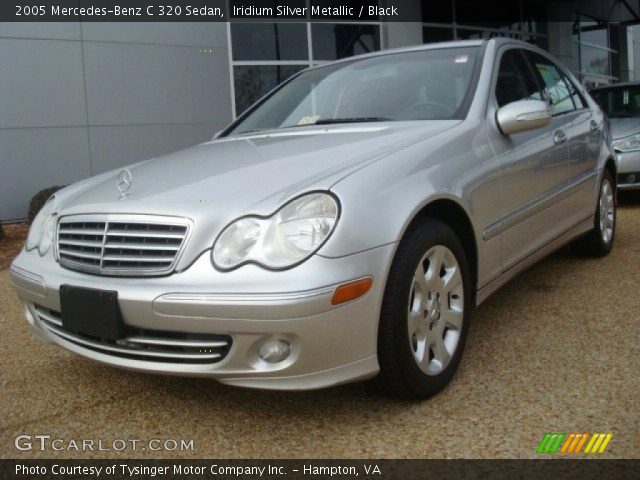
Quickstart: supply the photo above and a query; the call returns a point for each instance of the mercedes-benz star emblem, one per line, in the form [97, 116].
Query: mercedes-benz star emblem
[124, 182]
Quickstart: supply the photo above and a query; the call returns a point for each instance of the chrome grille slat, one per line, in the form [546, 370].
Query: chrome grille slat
[149, 234]
[136, 258]
[139, 246]
[80, 243]
[152, 347]
[173, 342]
[132, 245]
[72, 253]
[77, 231]
[49, 318]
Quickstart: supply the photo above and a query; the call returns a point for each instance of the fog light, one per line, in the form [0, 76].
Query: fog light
[631, 178]
[274, 350]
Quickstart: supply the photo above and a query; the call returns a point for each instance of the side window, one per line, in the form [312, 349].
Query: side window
[558, 89]
[576, 96]
[515, 81]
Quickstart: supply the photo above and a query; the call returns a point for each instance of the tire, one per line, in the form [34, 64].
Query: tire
[414, 365]
[599, 241]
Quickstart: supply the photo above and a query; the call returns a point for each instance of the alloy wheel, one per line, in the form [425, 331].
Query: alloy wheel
[607, 211]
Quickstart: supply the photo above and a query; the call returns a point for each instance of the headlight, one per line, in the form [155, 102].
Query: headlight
[627, 144]
[41, 231]
[286, 238]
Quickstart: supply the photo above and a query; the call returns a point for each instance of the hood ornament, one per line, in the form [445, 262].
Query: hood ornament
[124, 182]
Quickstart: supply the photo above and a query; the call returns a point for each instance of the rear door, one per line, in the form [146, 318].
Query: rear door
[583, 130]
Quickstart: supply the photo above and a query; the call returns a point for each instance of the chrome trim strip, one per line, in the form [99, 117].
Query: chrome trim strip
[128, 344]
[174, 342]
[245, 306]
[126, 351]
[532, 258]
[242, 298]
[543, 202]
[48, 317]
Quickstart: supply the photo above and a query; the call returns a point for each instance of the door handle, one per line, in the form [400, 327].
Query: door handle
[559, 137]
[594, 127]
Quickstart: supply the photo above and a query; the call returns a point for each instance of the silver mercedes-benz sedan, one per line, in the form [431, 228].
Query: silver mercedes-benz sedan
[621, 103]
[342, 228]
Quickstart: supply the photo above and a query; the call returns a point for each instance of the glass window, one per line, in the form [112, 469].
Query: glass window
[252, 82]
[437, 12]
[332, 41]
[269, 41]
[502, 13]
[432, 84]
[557, 88]
[355, 4]
[515, 81]
[619, 102]
[437, 34]
[594, 60]
[260, 6]
[534, 16]
[593, 33]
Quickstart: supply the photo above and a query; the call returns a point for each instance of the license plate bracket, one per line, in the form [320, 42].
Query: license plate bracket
[91, 312]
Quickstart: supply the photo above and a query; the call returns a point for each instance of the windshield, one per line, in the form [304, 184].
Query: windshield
[421, 85]
[619, 102]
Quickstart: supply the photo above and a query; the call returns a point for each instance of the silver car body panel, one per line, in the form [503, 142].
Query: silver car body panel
[628, 162]
[524, 197]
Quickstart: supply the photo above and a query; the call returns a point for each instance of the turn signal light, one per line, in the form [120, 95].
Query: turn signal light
[351, 291]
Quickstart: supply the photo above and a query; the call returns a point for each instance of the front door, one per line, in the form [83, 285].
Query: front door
[533, 167]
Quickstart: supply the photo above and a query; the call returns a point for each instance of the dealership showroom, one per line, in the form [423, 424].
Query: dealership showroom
[552, 354]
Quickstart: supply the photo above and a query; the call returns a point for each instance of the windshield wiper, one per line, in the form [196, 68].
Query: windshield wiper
[327, 121]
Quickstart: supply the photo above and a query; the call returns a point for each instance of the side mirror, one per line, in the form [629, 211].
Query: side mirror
[523, 115]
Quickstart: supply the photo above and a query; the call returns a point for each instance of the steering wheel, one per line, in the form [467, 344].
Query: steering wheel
[445, 110]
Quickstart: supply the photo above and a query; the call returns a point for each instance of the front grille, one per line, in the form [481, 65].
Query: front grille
[150, 345]
[120, 246]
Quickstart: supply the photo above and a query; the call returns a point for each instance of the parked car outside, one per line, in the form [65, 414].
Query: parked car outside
[341, 229]
[621, 103]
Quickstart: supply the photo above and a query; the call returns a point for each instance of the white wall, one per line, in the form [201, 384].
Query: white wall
[77, 99]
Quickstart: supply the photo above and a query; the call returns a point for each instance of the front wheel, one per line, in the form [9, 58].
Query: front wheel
[599, 241]
[425, 312]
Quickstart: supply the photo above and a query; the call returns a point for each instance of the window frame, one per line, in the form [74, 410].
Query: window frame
[529, 53]
[530, 72]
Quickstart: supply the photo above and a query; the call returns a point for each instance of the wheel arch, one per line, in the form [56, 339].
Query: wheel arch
[455, 216]
[610, 164]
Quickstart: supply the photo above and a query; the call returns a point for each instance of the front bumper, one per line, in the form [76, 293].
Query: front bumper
[628, 170]
[330, 344]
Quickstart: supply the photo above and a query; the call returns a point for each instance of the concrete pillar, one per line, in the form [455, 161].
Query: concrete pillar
[562, 47]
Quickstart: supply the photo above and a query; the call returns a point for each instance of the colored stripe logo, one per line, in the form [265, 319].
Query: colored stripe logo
[574, 442]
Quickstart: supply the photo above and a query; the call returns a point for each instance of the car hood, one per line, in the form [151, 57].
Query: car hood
[623, 127]
[215, 182]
